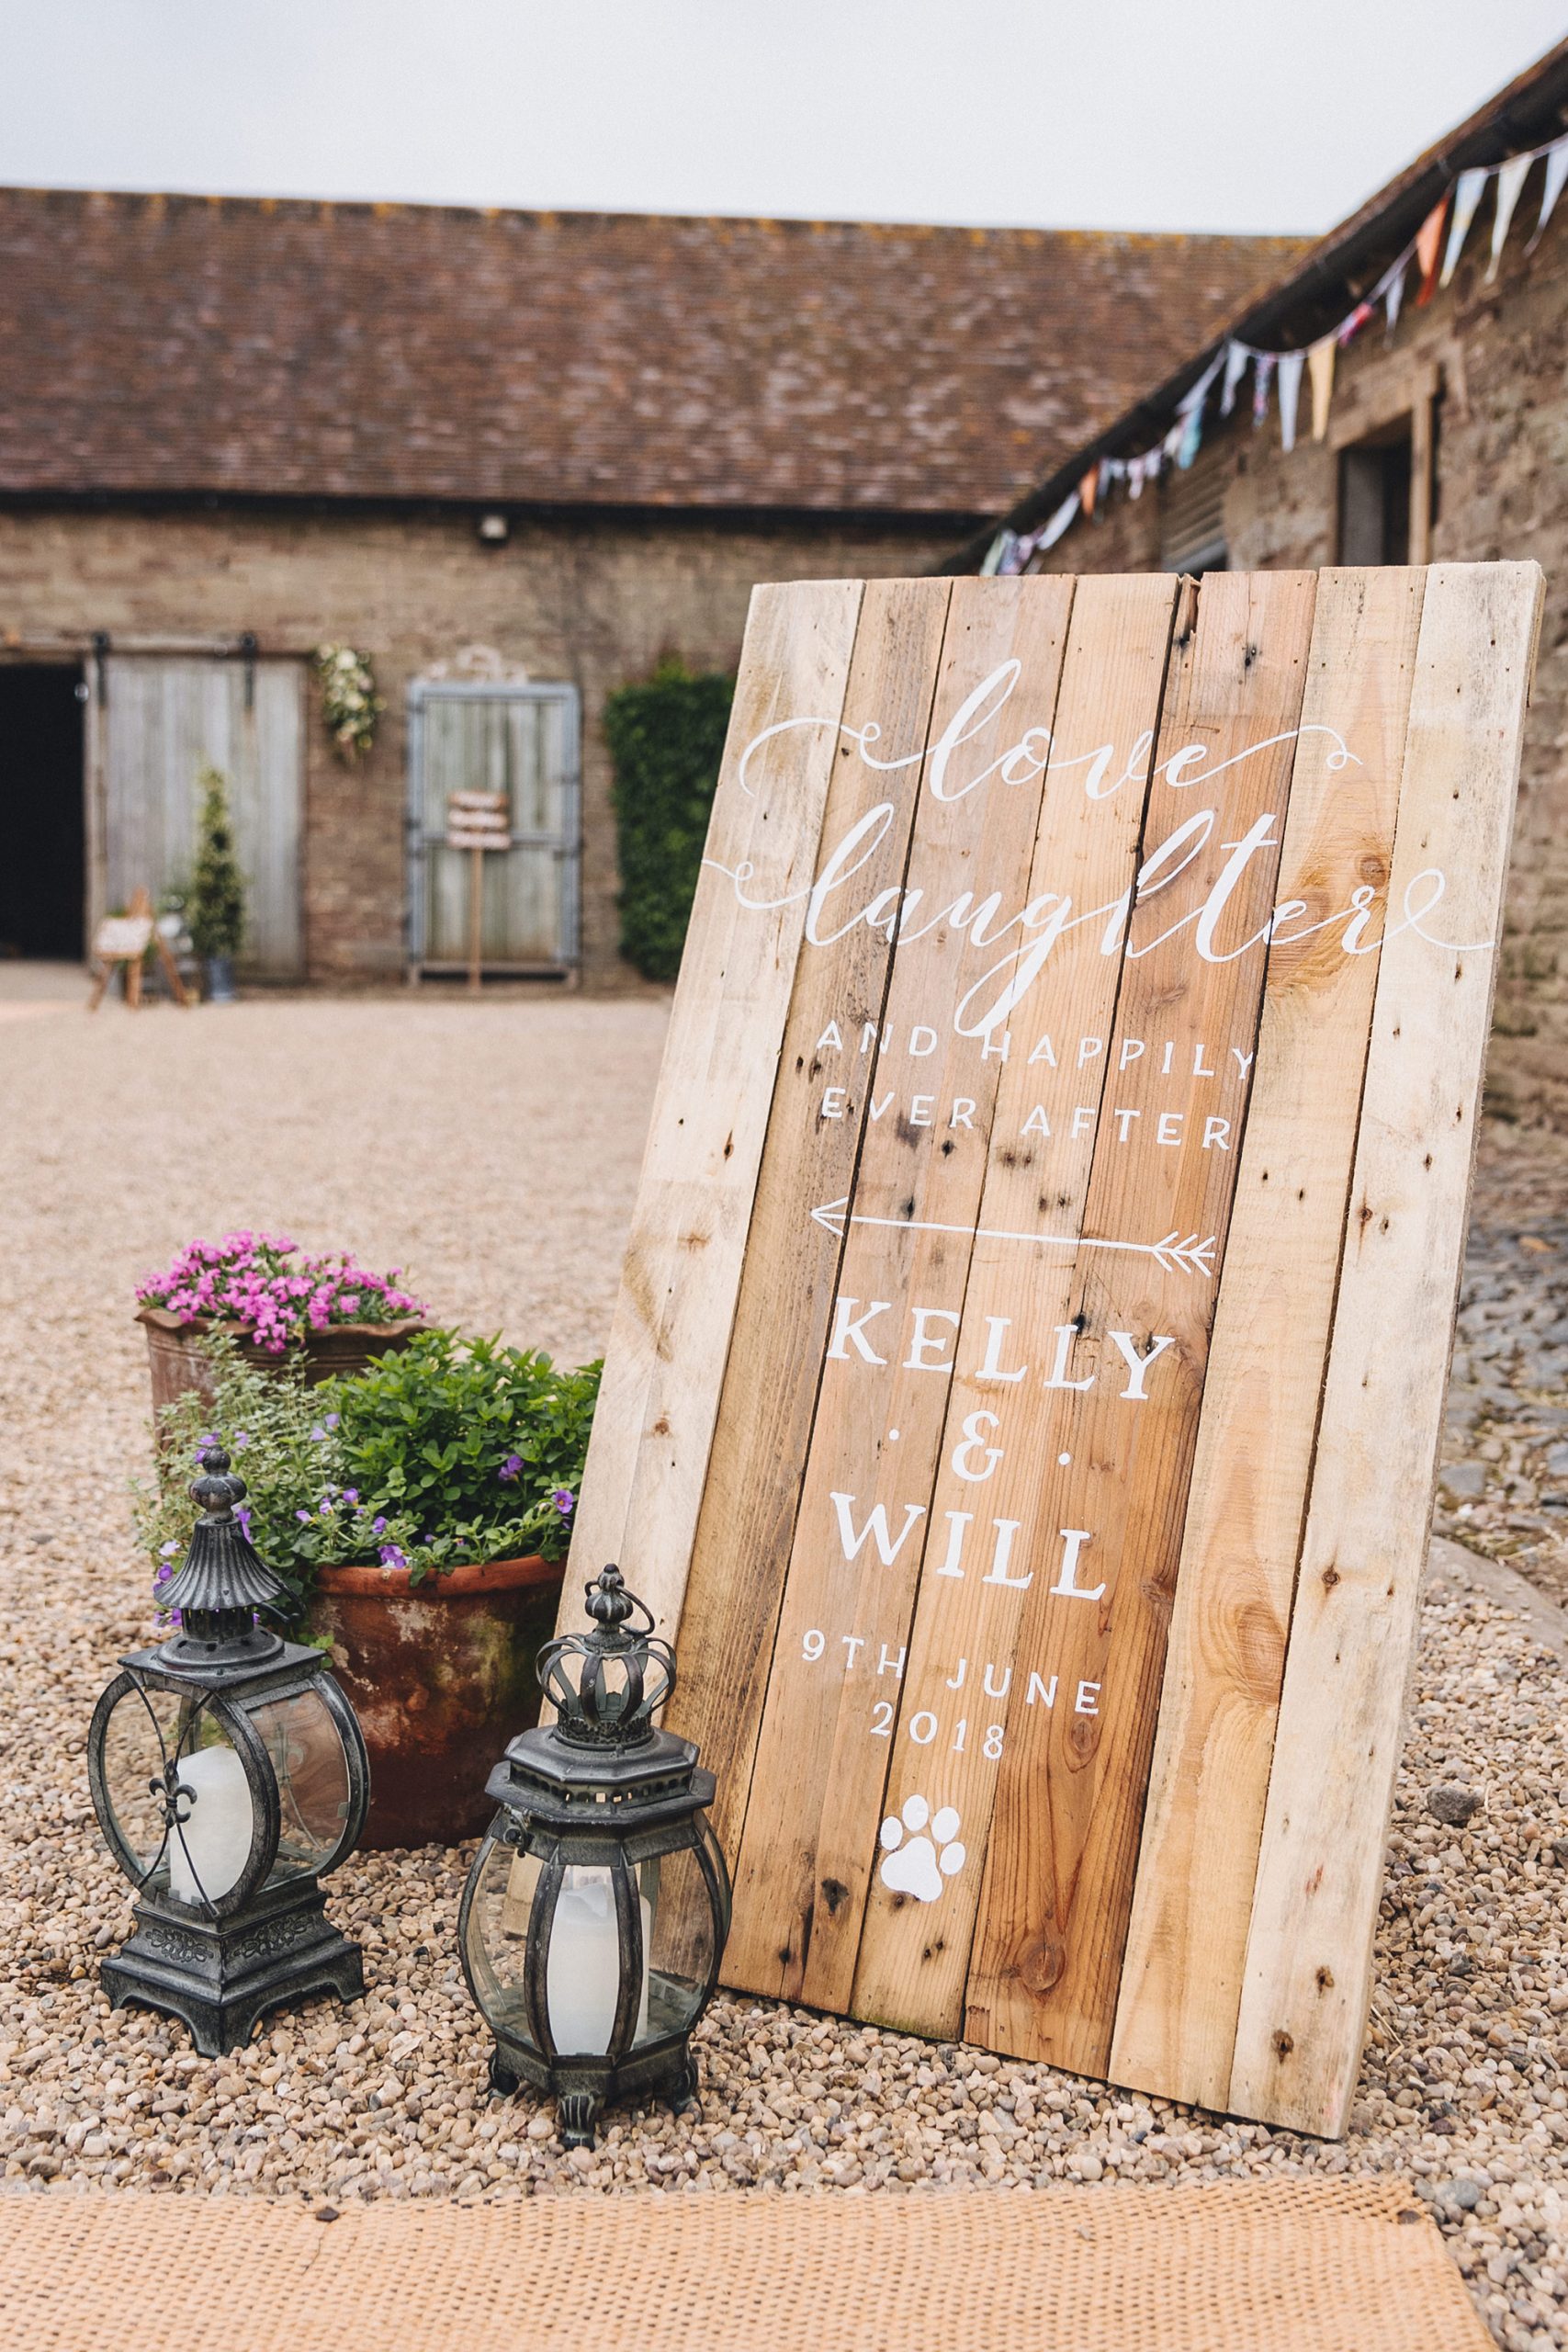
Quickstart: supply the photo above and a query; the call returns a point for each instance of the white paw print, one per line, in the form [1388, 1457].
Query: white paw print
[918, 1866]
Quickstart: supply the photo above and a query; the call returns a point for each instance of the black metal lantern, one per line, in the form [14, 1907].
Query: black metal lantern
[596, 1912]
[229, 1775]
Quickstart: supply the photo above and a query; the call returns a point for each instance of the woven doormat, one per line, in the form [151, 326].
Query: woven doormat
[1267, 2267]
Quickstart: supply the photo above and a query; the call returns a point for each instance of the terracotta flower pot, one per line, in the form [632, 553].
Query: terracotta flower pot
[177, 1362]
[441, 1675]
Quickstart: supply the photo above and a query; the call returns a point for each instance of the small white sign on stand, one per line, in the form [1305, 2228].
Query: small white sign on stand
[476, 822]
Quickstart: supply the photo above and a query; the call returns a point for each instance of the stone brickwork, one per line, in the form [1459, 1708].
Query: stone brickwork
[1500, 354]
[591, 600]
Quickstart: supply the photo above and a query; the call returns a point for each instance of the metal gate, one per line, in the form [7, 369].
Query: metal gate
[522, 742]
[158, 720]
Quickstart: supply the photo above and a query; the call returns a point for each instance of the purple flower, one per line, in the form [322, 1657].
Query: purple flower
[303, 1517]
[377, 1525]
[333, 1420]
[242, 1513]
[242, 1439]
[565, 1501]
[392, 1557]
[165, 1549]
[162, 1575]
[318, 1435]
[351, 1494]
[509, 1468]
[326, 1506]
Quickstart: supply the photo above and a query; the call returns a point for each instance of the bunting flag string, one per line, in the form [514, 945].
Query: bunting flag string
[1434, 256]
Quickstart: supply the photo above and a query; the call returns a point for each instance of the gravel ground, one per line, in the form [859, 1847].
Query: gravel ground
[402, 1130]
[1505, 1481]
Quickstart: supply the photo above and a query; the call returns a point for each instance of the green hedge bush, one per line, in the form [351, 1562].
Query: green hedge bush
[666, 739]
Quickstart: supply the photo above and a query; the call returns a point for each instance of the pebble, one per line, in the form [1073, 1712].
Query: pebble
[1453, 1805]
[492, 1151]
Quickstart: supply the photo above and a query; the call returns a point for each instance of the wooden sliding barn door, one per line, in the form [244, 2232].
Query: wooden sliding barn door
[161, 719]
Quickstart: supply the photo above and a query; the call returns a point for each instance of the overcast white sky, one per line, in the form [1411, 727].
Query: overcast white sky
[1160, 114]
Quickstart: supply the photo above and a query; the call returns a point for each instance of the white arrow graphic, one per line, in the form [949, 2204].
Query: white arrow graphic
[1174, 1254]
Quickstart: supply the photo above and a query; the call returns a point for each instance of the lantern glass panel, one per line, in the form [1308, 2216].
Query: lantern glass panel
[679, 1944]
[306, 1751]
[142, 1735]
[210, 1847]
[499, 1920]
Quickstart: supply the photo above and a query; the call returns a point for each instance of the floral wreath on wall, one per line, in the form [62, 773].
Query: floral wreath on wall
[350, 704]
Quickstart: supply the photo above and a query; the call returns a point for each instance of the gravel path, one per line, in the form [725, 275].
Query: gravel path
[493, 1150]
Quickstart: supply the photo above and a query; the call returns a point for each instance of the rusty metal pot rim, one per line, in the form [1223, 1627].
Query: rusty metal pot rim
[163, 1320]
[359, 1579]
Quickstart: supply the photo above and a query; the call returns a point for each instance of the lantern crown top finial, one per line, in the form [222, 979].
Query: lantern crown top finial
[216, 1487]
[607, 1685]
[608, 1602]
[222, 1581]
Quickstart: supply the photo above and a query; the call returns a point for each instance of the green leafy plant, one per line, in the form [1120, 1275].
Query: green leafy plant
[666, 739]
[215, 911]
[464, 1449]
[451, 1451]
[350, 704]
[271, 1426]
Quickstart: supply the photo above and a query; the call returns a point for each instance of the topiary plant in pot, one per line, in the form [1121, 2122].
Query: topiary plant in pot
[215, 907]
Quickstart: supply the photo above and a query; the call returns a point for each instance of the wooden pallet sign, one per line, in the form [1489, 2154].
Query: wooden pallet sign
[1024, 1391]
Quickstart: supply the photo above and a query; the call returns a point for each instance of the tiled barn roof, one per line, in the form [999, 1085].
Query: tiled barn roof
[263, 349]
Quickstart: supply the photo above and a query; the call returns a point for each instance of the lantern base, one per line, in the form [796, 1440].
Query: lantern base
[584, 2087]
[219, 1976]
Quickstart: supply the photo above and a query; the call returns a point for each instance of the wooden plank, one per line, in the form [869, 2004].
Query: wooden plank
[1353, 1630]
[805, 1853]
[911, 1971]
[1192, 1901]
[792, 1258]
[1071, 1779]
[649, 1454]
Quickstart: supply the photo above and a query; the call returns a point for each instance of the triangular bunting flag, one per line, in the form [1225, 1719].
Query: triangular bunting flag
[1134, 477]
[1089, 489]
[1467, 195]
[1393, 294]
[1556, 173]
[1291, 366]
[1428, 239]
[1065, 515]
[995, 554]
[1263, 376]
[1351, 327]
[1236, 357]
[1510, 185]
[1320, 360]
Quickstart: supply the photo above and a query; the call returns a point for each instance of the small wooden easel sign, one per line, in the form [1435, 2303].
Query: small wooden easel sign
[123, 940]
[477, 822]
[1024, 1393]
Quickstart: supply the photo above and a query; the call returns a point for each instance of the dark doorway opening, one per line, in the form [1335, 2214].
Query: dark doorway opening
[1374, 497]
[43, 827]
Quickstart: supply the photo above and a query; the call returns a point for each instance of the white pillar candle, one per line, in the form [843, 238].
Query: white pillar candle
[582, 1970]
[217, 1830]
